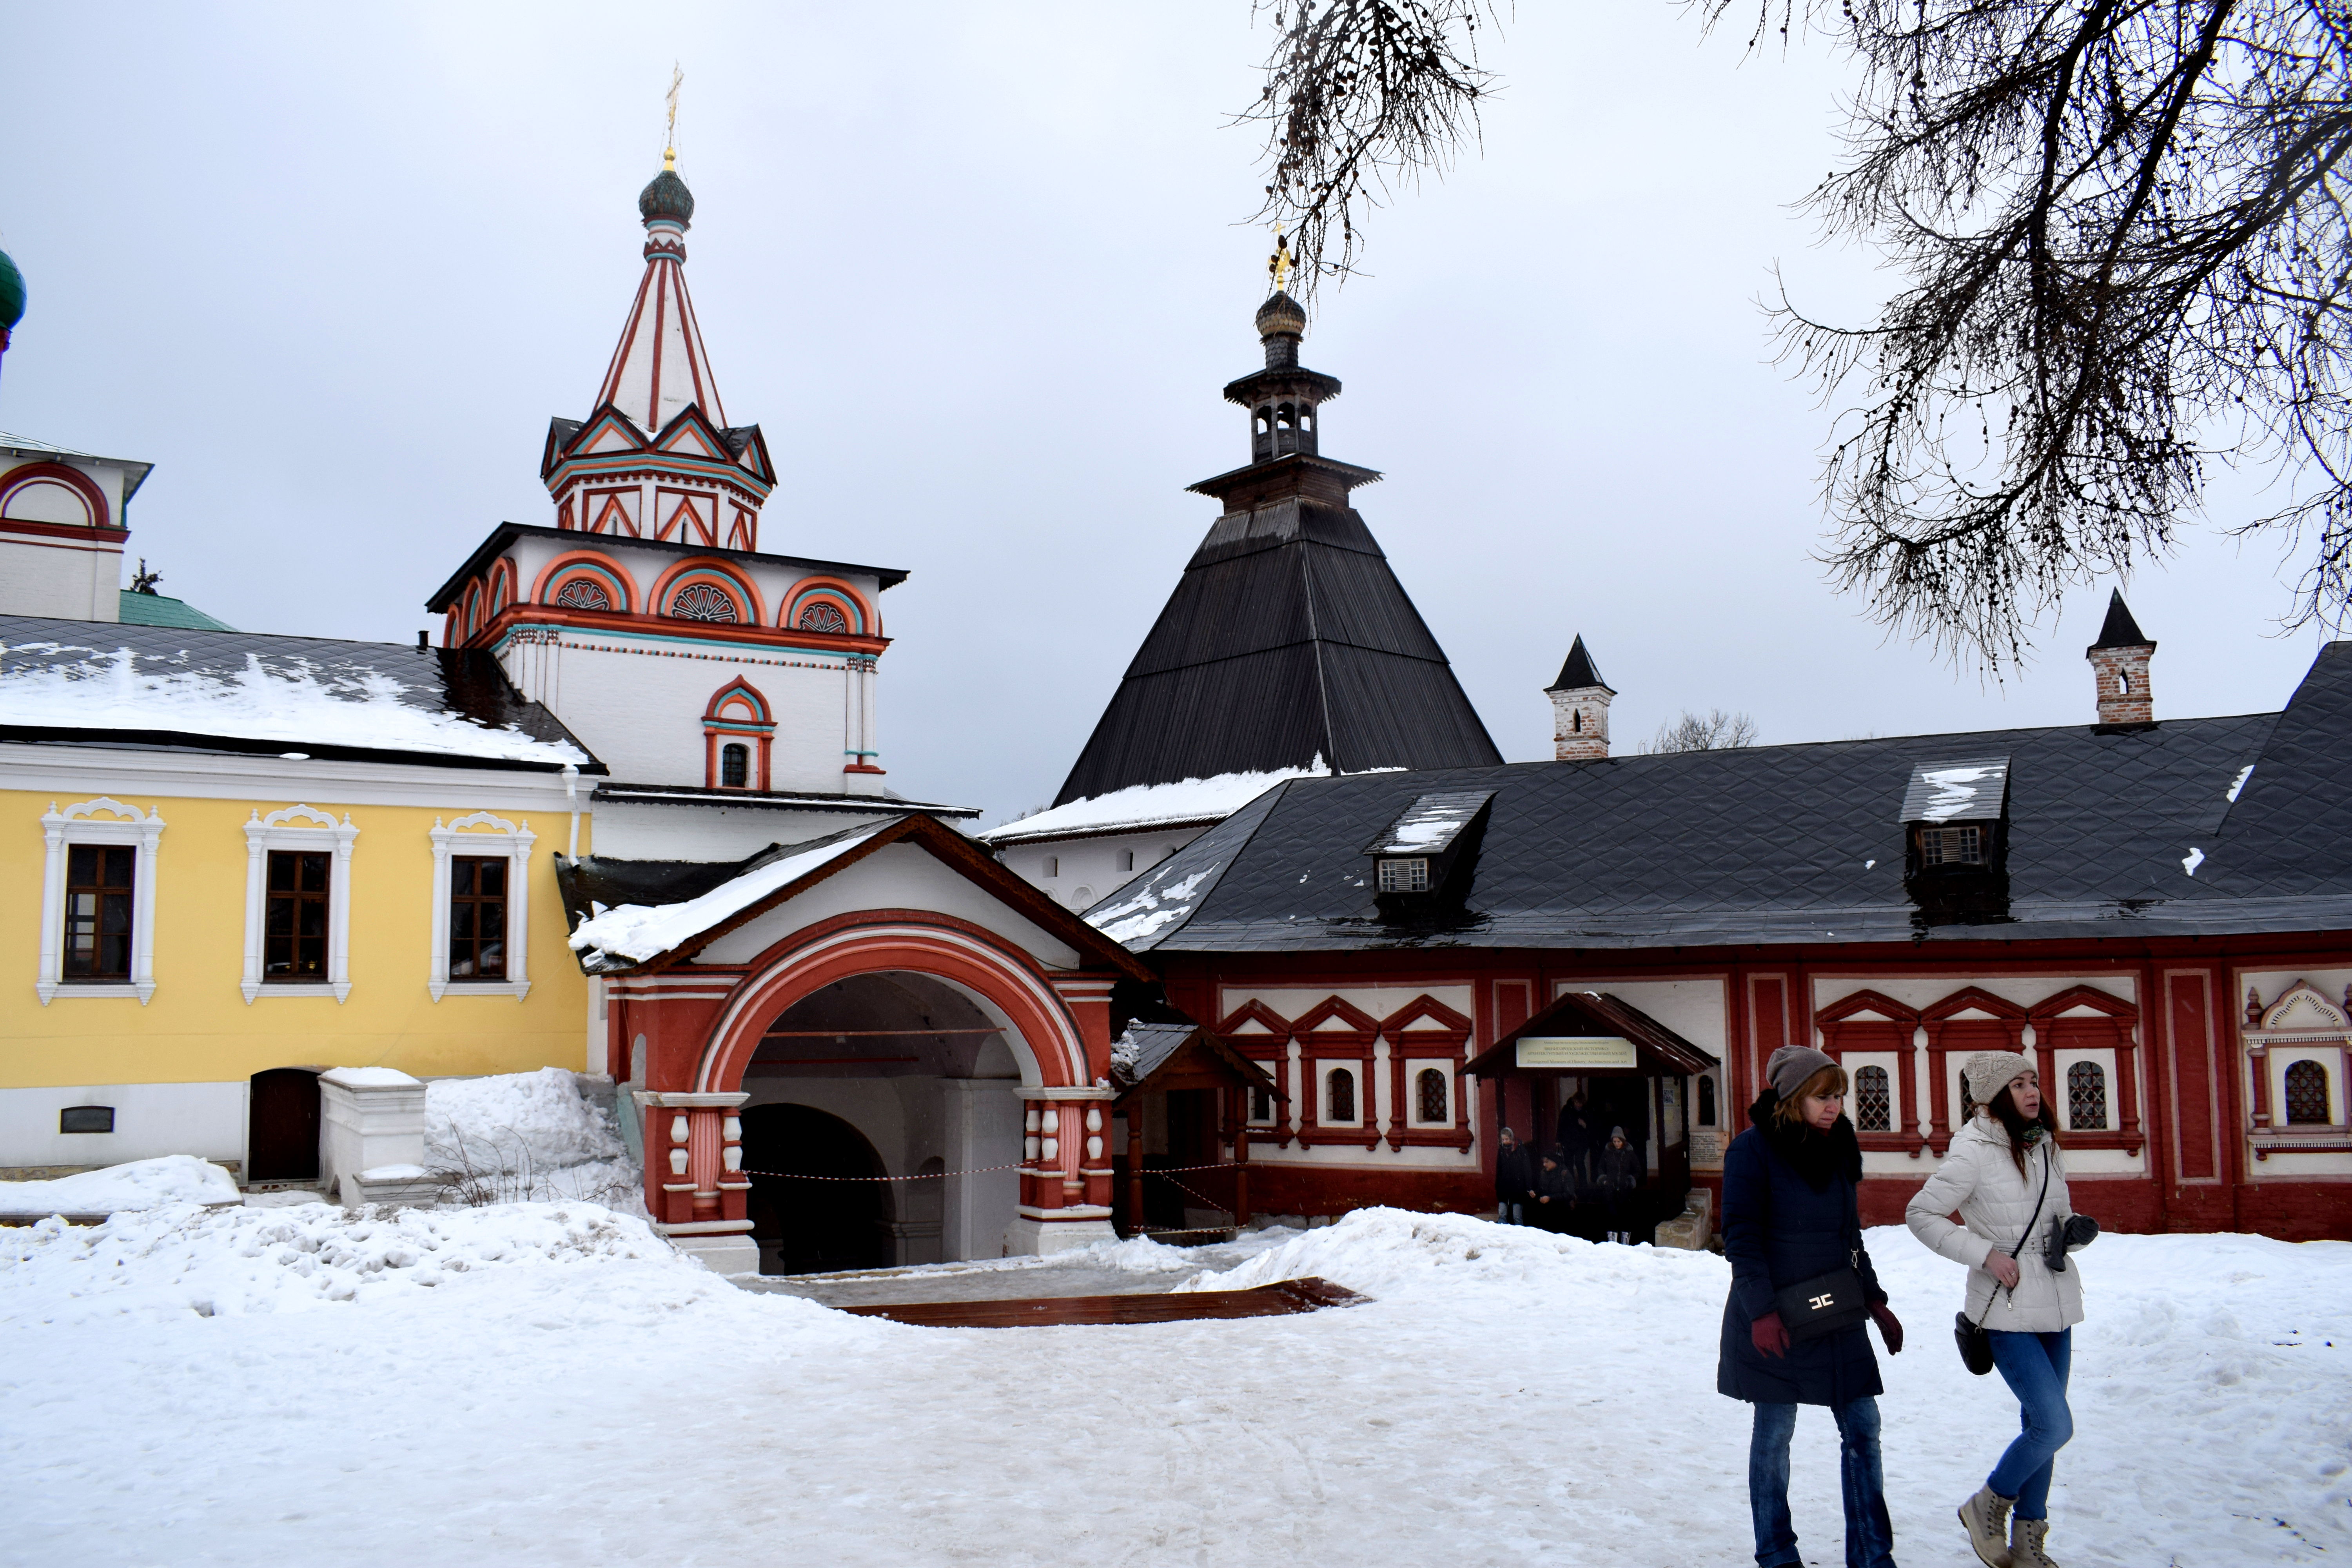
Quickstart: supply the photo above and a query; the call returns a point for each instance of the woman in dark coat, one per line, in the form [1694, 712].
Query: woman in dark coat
[1621, 1169]
[1788, 1214]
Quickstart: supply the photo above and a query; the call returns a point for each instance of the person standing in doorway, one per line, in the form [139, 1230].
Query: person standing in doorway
[2007, 1182]
[1790, 1215]
[1620, 1173]
[1576, 1140]
[1554, 1194]
[1515, 1179]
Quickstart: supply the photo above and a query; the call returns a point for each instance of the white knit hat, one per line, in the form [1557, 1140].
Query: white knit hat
[1988, 1072]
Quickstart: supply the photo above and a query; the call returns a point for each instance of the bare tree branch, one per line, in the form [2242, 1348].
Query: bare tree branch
[1360, 95]
[1717, 732]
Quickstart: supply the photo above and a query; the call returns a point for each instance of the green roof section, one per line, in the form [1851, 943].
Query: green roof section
[160, 610]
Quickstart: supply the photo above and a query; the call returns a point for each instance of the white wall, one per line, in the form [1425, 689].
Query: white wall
[65, 578]
[708, 832]
[1081, 872]
[899, 877]
[207, 1119]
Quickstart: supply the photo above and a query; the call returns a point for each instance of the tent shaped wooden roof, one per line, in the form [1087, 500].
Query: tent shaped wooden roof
[1182, 1056]
[1592, 1020]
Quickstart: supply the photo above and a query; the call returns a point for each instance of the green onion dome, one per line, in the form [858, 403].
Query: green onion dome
[11, 293]
[667, 197]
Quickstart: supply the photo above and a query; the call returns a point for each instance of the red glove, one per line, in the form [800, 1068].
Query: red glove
[1888, 1327]
[1768, 1336]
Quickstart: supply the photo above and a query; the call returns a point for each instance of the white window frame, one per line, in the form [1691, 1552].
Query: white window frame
[72, 826]
[281, 830]
[464, 837]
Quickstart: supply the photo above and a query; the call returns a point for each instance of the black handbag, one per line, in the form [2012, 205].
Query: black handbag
[1975, 1339]
[1812, 1309]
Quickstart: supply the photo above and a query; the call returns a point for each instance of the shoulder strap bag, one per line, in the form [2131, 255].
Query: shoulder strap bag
[1812, 1309]
[1975, 1341]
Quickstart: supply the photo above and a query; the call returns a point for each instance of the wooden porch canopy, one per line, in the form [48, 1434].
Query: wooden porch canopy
[1589, 1032]
[1160, 1058]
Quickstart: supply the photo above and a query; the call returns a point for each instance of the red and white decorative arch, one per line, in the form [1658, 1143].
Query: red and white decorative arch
[749, 609]
[820, 592]
[607, 574]
[738, 714]
[18, 481]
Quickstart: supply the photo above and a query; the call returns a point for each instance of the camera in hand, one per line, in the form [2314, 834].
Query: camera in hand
[2079, 1230]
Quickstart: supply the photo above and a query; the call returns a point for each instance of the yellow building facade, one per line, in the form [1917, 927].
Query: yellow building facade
[191, 917]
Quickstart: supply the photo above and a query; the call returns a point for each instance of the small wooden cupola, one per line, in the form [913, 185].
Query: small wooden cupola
[1425, 854]
[1955, 819]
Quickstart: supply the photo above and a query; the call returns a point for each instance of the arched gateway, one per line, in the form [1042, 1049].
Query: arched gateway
[895, 976]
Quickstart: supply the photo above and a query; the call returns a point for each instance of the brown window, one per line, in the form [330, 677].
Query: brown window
[294, 928]
[2306, 1094]
[98, 911]
[1339, 1097]
[2086, 1097]
[478, 917]
[734, 765]
[1873, 1104]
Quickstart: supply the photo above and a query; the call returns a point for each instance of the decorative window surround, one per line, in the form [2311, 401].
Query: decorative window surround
[512, 842]
[75, 824]
[281, 830]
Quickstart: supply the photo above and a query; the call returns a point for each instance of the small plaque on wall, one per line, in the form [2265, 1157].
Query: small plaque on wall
[1575, 1051]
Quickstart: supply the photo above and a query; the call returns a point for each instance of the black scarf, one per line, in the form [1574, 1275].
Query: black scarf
[1818, 1157]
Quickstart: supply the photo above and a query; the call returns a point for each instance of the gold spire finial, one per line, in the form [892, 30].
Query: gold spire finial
[669, 135]
[1278, 264]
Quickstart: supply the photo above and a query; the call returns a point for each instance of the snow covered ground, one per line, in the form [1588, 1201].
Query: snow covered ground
[548, 1384]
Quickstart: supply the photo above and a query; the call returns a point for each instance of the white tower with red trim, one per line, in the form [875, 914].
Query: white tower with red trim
[644, 613]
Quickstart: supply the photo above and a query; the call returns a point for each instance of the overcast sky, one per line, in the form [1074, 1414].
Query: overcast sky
[979, 271]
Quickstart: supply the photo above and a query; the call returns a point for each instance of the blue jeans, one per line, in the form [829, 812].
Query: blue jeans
[1869, 1533]
[1509, 1214]
[2035, 1366]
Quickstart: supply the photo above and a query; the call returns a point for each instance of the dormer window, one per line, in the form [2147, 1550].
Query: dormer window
[1405, 875]
[1422, 862]
[1962, 846]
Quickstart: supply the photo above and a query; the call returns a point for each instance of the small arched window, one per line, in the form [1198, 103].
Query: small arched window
[1261, 1104]
[1576, 722]
[2306, 1094]
[1874, 1107]
[2123, 682]
[2086, 1097]
[1340, 1096]
[734, 764]
[1429, 1092]
[1707, 1113]
[823, 615]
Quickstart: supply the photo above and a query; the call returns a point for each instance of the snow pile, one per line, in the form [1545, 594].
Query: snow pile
[169, 1262]
[1151, 909]
[526, 1135]
[1398, 1255]
[635, 932]
[141, 1185]
[1143, 806]
[293, 699]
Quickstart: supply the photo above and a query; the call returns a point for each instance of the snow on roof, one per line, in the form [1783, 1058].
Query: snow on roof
[633, 933]
[301, 692]
[1431, 824]
[1139, 808]
[1969, 791]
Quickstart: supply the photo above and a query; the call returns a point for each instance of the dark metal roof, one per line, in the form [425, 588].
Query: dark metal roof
[1592, 1013]
[1155, 1045]
[773, 800]
[2147, 832]
[2120, 630]
[466, 684]
[1431, 824]
[1578, 671]
[507, 533]
[1287, 638]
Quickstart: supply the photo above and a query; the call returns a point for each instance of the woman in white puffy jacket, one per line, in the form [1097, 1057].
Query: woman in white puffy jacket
[2007, 1181]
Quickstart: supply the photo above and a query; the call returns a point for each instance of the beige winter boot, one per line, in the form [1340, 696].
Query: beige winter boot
[1986, 1518]
[2026, 1536]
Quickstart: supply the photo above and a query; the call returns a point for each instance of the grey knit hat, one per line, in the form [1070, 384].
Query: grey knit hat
[1988, 1072]
[1791, 1065]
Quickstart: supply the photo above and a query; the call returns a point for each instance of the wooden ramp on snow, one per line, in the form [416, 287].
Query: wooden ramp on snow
[1310, 1295]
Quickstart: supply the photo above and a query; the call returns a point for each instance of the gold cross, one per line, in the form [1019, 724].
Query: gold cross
[1278, 264]
[670, 136]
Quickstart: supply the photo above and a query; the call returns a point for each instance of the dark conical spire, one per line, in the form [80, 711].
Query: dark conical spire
[1579, 671]
[2121, 630]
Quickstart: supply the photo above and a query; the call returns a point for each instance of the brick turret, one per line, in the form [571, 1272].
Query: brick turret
[1580, 708]
[2120, 662]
